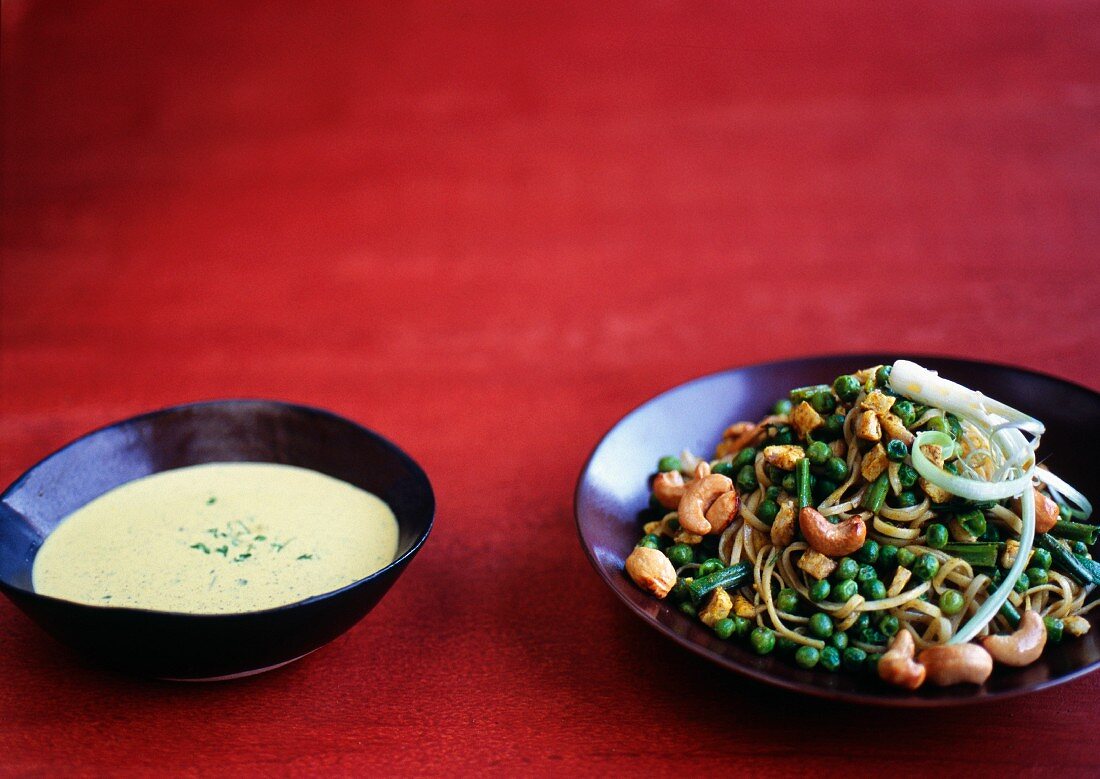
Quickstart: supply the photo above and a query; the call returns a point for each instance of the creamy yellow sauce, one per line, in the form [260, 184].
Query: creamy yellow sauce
[217, 538]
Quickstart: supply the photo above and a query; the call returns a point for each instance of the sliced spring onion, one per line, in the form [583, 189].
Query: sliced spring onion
[968, 489]
[1061, 489]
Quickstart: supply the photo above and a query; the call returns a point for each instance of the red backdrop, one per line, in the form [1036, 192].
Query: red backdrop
[488, 230]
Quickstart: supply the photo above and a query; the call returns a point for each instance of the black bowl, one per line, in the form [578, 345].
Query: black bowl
[194, 646]
[613, 490]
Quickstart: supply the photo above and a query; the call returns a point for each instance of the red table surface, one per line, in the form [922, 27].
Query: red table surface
[489, 230]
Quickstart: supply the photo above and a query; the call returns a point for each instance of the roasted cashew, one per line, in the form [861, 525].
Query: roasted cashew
[1022, 647]
[954, 663]
[651, 570]
[897, 666]
[1046, 511]
[699, 495]
[723, 511]
[668, 488]
[829, 539]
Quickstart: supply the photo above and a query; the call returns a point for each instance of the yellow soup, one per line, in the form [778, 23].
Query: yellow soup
[217, 538]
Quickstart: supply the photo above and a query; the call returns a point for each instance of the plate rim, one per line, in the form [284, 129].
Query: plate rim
[762, 676]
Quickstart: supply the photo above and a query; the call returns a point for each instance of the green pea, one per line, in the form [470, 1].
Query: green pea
[907, 475]
[1081, 548]
[823, 488]
[907, 499]
[936, 536]
[888, 557]
[832, 429]
[897, 450]
[668, 463]
[882, 375]
[844, 591]
[772, 492]
[846, 568]
[839, 640]
[821, 625]
[680, 555]
[762, 640]
[742, 626]
[1054, 629]
[688, 609]
[784, 645]
[973, 522]
[846, 387]
[823, 402]
[873, 590]
[746, 456]
[937, 424]
[782, 407]
[830, 658]
[787, 600]
[723, 628]
[906, 557]
[775, 475]
[789, 483]
[680, 591]
[951, 602]
[1040, 558]
[889, 625]
[818, 452]
[905, 411]
[723, 469]
[866, 573]
[863, 622]
[767, 511]
[650, 541]
[853, 658]
[1037, 576]
[819, 590]
[806, 657]
[926, 566]
[782, 435]
[836, 469]
[746, 479]
[1023, 583]
[711, 565]
[868, 553]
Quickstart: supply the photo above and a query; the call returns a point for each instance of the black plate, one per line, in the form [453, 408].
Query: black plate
[192, 646]
[613, 490]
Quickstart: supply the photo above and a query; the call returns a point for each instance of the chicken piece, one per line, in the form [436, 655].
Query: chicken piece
[1008, 557]
[901, 578]
[1076, 626]
[742, 607]
[804, 419]
[816, 564]
[934, 492]
[868, 427]
[895, 428]
[784, 525]
[874, 463]
[718, 607]
[878, 401]
[785, 456]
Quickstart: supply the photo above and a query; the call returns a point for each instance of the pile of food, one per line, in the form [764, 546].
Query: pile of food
[892, 522]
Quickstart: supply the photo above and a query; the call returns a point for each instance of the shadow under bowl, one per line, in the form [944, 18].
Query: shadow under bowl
[184, 646]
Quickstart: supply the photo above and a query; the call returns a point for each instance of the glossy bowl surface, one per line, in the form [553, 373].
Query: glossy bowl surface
[613, 490]
[191, 646]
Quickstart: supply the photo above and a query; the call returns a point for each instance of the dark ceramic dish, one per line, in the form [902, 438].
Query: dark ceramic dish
[189, 646]
[613, 490]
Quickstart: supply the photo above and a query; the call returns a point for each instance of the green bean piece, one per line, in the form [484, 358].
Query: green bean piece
[1040, 558]
[680, 555]
[1089, 566]
[787, 600]
[991, 533]
[806, 657]
[906, 557]
[936, 536]
[1064, 560]
[846, 387]
[762, 640]
[679, 591]
[839, 640]
[1036, 576]
[1023, 583]
[868, 553]
[782, 407]
[728, 578]
[955, 426]
[951, 602]
[905, 411]
[742, 626]
[973, 522]
[1074, 531]
[908, 476]
[889, 625]
[767, 511]
[830, 658]
[746, 479]
[800, 394]
[925, 567]
[853, 658]
[723, 628]
[1008, 611]
[836, 469]
[819, 590]
[1054, 629]
[711, 565]
[875, 495]
[821, 625]
[846, 568]
[844, 590]
[668, 463]
[818, 452]
[804, 485]
[980, 554]
[897, 450]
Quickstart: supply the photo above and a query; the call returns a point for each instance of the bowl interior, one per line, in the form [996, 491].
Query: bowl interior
[613, 491]
[218, 431]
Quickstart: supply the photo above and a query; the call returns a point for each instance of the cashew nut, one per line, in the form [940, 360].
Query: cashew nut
[1046, 511]
[698, 497]
[651, 570]
[897, 666]
[722, 511]
[1022, 647]
[954, 663]
[829, 539]
[668, 488]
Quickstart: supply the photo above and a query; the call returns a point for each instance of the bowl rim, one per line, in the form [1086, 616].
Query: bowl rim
[760, 675]
[393, 449]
